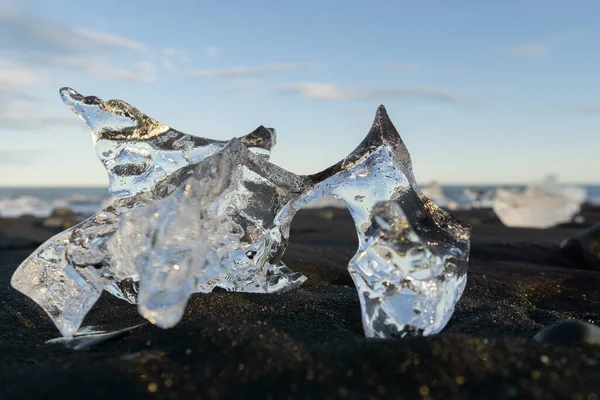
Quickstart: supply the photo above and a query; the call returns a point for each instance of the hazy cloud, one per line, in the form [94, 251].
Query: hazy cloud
[213, 51]
[411, 66]
[527, 50]
[415, 66]
[240, 72]
[23, 32]
[588, 109]
[173, 59]
[35, 50]
[330, 91]
[13, 75]
[15, 115]
[142, 71]
[18, 156]
[14, 80]
[33, 45]
[179, 54]
[245, 87]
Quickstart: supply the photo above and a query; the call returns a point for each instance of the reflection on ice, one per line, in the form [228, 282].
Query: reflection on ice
[87, 337]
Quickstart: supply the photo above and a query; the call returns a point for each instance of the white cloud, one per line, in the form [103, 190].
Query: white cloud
[320, 90]
[527, 50]
[109, 41]
[36, 51]
[239, 72]
[330, 91]
[13, 75]
[213, 51]
[24, 32]
[23, 114]
[142, 71]
[36, 48]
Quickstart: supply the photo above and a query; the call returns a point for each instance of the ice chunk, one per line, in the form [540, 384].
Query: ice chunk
[55, 286]
[223, 219]
[573, 193]
[410, 268]
[216, 229]
[138, 151]
[67, 274]
[479, 198]
[534, 208]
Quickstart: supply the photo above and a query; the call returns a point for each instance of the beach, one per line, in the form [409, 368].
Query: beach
[308, 343]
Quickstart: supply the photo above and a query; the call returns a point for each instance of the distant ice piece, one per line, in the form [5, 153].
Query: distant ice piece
[223, 219]
[325, 202]
[573, 193]
[534, 208]
[479, 198]
[435, 193]
[25, 205]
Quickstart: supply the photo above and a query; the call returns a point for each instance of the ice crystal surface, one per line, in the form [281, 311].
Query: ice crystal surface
[67, 274]
[192, 216]
[138, 151]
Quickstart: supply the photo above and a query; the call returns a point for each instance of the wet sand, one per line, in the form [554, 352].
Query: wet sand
[309, 343]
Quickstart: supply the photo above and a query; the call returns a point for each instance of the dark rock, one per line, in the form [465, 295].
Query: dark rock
[582, 251]
[62, 212]
[24, 232]
[52, 222]
[569, 333]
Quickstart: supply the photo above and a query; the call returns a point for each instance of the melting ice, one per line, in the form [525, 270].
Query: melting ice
[191, 214]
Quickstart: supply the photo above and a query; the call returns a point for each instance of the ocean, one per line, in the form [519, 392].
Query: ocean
[40, 202]
[84, 201]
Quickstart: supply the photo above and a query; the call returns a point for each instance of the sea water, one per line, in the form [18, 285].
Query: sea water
[40, 202]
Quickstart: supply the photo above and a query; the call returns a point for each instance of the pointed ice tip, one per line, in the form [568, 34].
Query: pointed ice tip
[261, 137]
[383, 130]
[382, 114]
[69, 96]
[72, 98]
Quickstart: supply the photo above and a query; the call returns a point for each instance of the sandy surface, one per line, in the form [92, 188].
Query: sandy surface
[309, 343]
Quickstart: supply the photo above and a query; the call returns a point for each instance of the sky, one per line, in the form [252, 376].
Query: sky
[481, 92]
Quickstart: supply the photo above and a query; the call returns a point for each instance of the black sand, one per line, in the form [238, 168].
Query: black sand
[309, 343]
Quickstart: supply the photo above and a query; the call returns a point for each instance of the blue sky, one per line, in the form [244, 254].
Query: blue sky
[481, 92]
